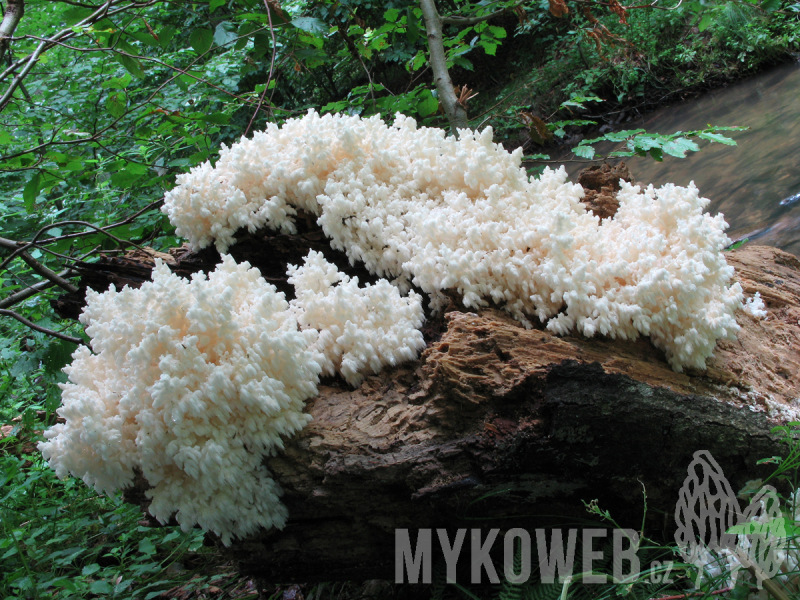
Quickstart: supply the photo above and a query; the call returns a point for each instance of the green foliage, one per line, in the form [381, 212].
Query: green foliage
[640, 143]
[59, 539]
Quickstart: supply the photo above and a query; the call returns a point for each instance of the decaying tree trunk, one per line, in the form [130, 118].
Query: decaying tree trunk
[499, 426]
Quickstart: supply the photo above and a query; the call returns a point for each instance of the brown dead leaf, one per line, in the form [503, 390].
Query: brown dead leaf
[618, 10]
[558, 8]
[150, 29]
[276, 6]
[464, 95]
[537, 128]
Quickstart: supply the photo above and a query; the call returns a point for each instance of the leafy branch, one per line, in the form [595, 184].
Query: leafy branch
[640, 143]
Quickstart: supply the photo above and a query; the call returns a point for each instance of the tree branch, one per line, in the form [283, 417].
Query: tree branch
[18, 79]
[455, 112]
[269, 77]
[40, 329]
[31, 290]
[467, 21]
[36, 265]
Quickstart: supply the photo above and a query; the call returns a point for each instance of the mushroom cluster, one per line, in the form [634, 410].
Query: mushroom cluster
[194, 382]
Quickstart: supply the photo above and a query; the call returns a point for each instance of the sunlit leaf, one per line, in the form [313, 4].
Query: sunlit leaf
[391, 15]
[679, 147]
[224, 33]
[311, 25]
[715, 137]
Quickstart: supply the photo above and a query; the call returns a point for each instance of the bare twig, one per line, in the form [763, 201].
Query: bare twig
[35, 265]
[269, 77]
[39, 328]
[22, 74]
[22, 247]
[125, 221]
[31, 290]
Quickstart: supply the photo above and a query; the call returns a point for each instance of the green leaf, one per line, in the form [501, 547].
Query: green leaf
[133, 66]
[201, 39]
[165, 35]
[218, 118]
[656, 154]
[146, 547]
[124, 179]
[679, 147]
[584, 151]
[101, 587]
[58, 355]
[90, 569]
[25, 364]
[214, 5]
[31, 191]
[311, 25]
[412, 27]
[427, 104]
[705, 22]
[463, 63]
[119, 42]
[74, 15]
[498, 32]
[224, 33]
[715, 137]
[771, 5]
[119, 83]
[489, 47]
[645, 142]
[773, 527]
[734, 246]
[621, 136]
[116, 104]
[391, 15]
[145, 37]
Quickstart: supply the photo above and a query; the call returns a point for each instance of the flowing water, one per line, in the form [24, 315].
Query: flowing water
[746, 182]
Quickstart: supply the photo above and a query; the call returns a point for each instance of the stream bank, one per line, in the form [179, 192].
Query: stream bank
[755, 183]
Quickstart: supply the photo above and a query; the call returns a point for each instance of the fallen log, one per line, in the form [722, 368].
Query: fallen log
[496, 426]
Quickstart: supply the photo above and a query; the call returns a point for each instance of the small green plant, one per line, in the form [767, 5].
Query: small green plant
[638, 142]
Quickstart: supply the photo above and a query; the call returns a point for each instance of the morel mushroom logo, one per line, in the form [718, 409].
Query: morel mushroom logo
[709, 520]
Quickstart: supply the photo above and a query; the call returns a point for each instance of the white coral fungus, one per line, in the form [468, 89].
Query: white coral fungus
[755, 306]
[359, 328]
[445, 213]
[193, 383]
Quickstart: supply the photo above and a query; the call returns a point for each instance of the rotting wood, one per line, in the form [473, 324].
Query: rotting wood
[499, 426]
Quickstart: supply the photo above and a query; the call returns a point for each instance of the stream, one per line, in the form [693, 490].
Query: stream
[747, 182]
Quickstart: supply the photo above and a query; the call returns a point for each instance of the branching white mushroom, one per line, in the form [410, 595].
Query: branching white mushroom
[462, 214]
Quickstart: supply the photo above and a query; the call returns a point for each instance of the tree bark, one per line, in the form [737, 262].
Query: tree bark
[455, 112]
[15, 9]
